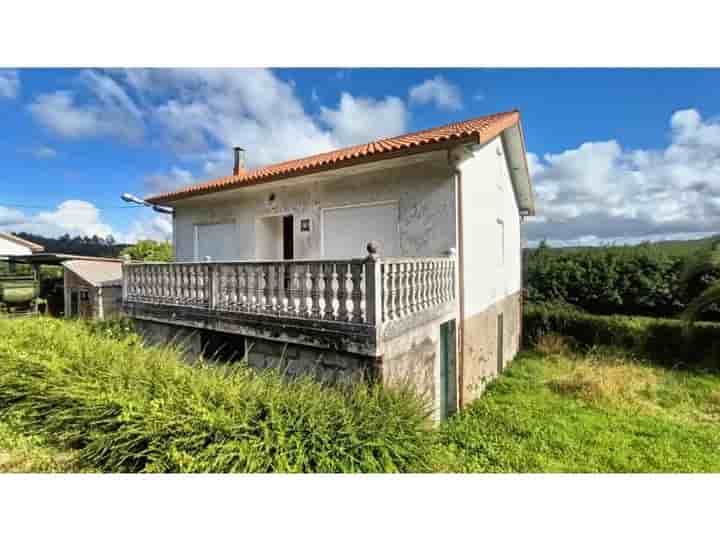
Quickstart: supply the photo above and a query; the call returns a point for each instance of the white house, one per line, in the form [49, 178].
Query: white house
[14, 245]
[273, 264]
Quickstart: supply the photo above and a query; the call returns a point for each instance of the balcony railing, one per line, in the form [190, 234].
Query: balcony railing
[372, 291]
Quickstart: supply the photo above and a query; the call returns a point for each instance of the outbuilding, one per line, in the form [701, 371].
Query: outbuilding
[93, 289]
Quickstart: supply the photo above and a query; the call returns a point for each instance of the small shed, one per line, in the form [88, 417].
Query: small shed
[93, 289]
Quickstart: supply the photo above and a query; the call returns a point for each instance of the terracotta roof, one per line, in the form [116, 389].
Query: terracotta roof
[481, 129]
[21, 241]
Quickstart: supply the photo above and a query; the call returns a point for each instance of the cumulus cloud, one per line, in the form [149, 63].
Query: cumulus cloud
[9, 83]
[601, 192]
[162, 182]
[82, 218]
[105, 108]
[158, 227]
[10, 216]
[73, 217]
[439, 91]
[358, 120]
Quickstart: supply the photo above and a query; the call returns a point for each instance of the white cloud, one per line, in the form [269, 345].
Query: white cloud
[601, 192]
[10, 216]
[107, 110]
[358, 120]
[162, 182]
[437, 90]
[159, 227]
[9, 83]
[44, 152]
[73, 217]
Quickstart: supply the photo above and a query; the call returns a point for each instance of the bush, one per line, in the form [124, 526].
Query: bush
[640, 280]
[127, 408]
[661, 340]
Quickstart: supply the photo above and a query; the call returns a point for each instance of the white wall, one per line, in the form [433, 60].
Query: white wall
[424, 193]
[491, 267]
[11, 248]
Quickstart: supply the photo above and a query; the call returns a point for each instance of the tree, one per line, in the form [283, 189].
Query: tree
[150, 250]
[706, 260]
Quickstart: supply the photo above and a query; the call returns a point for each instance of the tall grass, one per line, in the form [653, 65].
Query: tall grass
[126, 408]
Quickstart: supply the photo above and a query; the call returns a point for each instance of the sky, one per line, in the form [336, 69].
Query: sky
[615, 155]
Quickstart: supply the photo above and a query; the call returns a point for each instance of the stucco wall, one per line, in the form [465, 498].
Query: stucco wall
[425, 195]
[480, 354]
[103, 303]
[414, 357]
[491, 268]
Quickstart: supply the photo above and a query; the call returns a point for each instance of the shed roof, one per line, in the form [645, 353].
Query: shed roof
[480, 130]
[97, 273]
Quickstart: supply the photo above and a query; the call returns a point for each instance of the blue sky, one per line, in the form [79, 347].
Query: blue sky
[616, 155]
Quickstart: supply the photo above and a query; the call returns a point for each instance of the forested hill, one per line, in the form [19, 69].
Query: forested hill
[91, 246]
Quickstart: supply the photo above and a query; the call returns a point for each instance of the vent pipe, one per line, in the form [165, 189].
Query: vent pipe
[239, 166]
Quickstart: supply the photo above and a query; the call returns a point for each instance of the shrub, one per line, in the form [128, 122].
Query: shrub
[640, 280]
[127, 408]
[661, 340]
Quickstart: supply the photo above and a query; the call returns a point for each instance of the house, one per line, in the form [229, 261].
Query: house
[92, 288]
[397, 260]
[14, 245]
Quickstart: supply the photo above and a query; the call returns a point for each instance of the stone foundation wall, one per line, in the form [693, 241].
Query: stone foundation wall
[159, 334]
[296, 360]
[480, 351]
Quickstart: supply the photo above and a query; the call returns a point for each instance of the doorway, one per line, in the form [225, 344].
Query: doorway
[447, 391]
[274, 238]
[288, 237]
[500, 344]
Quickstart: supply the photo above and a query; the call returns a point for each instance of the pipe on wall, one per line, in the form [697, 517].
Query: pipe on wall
[460, 326]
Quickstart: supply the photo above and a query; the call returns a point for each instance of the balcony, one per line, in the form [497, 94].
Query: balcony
[352, 305]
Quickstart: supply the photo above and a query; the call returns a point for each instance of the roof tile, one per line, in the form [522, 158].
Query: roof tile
[483, 127]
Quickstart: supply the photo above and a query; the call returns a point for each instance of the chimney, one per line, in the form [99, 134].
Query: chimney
[239, 166]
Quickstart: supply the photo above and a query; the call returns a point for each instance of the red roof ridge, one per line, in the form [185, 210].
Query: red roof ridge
[485, 127]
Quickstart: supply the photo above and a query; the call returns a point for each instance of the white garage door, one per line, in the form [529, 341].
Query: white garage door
[346, 231]
[216, 241]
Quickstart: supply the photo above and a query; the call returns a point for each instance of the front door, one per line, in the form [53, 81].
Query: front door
[288, 238]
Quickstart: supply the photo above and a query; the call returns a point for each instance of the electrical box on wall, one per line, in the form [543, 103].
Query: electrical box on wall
[305, 225]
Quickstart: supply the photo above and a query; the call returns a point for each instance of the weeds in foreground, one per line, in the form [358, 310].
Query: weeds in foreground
[126, 408]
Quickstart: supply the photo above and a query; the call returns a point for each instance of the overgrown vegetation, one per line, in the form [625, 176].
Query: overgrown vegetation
[557, 410]
[79, 396]
[638, 280]
[122, 407]
[662, 340]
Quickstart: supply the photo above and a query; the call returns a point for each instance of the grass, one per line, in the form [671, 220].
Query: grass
[559, 411]
[120, 407]
[81, 398]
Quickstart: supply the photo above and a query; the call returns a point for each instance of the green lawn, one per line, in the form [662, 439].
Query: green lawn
[553, 411]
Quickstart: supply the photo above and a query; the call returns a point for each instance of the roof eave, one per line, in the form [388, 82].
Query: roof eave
[347, 163]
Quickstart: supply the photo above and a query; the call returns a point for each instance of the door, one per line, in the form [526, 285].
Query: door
[347, 230]
[216, 240]
[288, 237]
[447, 400]
[500, 344]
